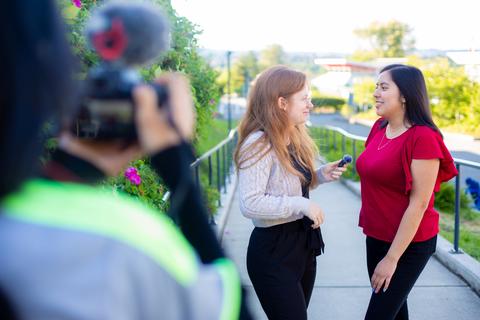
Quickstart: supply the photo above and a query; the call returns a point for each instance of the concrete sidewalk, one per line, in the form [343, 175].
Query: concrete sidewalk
[342, 288]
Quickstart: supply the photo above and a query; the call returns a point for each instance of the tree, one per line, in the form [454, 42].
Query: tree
[390, 39]
[244, 71]
[363, 92]
[453, 96]
[272, 55]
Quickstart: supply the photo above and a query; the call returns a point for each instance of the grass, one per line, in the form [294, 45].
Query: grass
[469, 240]
[217, 131]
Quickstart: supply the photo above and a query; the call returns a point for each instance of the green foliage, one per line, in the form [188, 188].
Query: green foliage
[244, 70]
[247, 66]
[363, 55]
[320, 100]
[183, 57]
[150, 191]
[468, 242]
[363, 92]
[210, 195]
[445, 202]
[389, 39]
[75, 19]
[328, 102]
[218, 130]
[272, 55]
[304, 62]
[455, 99]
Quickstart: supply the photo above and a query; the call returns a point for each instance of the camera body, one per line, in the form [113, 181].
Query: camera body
[107, 108]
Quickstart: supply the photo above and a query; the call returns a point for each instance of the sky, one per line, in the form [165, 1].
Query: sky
[327, 25]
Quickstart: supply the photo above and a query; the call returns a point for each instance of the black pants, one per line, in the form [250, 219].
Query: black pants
[282, 266]
[392, 304]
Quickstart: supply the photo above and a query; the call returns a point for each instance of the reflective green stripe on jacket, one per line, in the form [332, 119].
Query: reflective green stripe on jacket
[86, 208]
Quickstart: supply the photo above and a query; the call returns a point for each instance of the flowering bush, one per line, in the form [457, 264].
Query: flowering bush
[140, 181]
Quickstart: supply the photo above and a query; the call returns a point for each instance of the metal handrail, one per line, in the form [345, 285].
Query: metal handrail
[207, 154]
[467, 163]
[223, 154]
[346, 133]
[458, 163]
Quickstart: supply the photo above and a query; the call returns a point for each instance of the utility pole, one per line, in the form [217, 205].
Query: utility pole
[229, 106]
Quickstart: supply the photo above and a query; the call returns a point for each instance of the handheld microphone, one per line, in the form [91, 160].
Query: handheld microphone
[346, 159]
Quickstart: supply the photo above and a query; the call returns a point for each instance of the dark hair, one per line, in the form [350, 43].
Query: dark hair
[35, 84]
[411, 83]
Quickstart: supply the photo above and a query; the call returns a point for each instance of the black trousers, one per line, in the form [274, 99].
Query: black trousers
[392, 304]
[281, 263]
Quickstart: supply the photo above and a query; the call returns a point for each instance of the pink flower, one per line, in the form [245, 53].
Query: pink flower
[77, 3]
[132, 175]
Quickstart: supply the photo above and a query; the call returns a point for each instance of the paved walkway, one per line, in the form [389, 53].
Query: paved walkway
[342, 289]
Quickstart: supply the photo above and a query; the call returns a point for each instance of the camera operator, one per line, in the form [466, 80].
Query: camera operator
[70, 250]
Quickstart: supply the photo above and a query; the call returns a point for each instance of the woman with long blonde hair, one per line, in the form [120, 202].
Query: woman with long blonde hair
[275, 162]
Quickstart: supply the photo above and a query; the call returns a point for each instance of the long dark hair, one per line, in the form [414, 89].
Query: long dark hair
[35, 84]
[411, 83]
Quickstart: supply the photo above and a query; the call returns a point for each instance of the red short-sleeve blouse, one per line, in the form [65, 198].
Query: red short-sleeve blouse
[386, 179]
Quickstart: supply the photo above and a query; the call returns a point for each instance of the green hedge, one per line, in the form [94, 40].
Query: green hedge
[326, 101]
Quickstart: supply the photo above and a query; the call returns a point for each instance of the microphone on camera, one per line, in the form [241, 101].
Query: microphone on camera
[127, 32]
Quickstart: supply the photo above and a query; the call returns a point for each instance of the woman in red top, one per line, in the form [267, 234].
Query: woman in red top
[403, 164]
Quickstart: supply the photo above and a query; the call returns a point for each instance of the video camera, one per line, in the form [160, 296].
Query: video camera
[125, 35]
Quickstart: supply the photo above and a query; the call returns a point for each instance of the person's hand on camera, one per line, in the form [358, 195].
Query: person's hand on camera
[315, 213]
[155, 133]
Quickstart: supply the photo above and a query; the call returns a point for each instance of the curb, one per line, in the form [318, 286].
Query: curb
[221, 216]
[463, 265]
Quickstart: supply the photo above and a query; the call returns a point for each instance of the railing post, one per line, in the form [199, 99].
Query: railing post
[229, 161]
[456, 235]
[354, 155]
[335, 140]
[321, 141]
[210, 170]
[343, 144]
[218, 177]
[197, 177]
[224, 170]
[327, 146]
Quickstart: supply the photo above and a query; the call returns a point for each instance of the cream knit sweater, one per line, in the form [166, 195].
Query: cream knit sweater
[269, 194]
